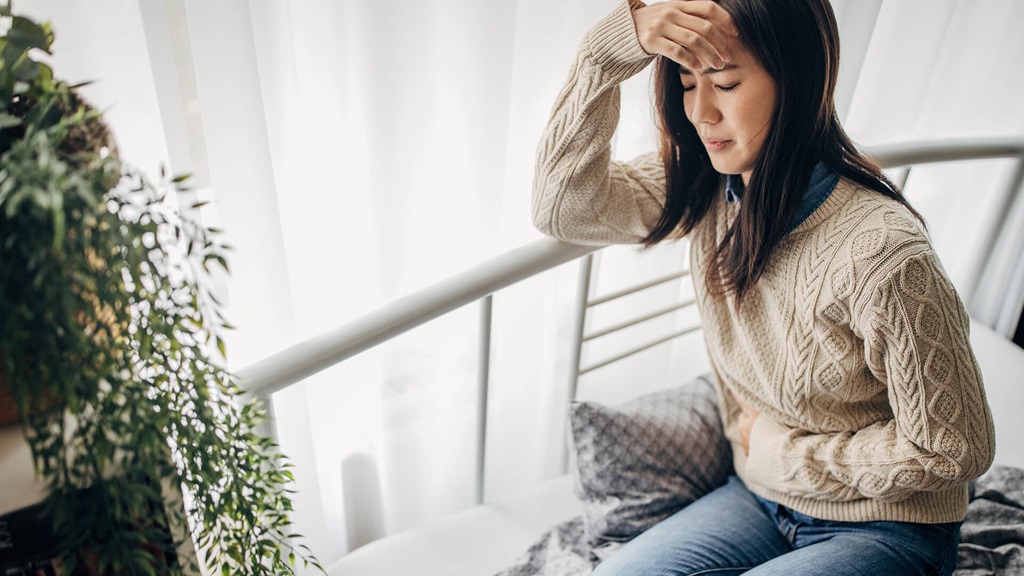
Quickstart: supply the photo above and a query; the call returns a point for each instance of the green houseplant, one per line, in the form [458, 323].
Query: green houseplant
[109, 353]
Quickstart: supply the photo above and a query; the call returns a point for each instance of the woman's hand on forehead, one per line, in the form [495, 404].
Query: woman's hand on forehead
[694, 33]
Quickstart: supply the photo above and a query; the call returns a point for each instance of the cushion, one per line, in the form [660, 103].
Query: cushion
[640, 462]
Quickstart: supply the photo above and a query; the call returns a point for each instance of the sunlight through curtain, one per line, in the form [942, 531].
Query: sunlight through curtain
[358, 151]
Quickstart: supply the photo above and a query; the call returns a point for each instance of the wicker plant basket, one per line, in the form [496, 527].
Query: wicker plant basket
[85, 138]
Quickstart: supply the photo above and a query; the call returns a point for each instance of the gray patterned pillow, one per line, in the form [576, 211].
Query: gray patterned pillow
[640, 462]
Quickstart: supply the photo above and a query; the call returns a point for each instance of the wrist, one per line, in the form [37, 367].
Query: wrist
[613, 43]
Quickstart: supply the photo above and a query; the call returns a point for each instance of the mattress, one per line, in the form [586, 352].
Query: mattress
[479, 541]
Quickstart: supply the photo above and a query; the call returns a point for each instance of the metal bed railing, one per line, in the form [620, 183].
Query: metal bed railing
[478, 283]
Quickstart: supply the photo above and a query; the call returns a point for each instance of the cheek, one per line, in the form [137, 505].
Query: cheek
[766, 107]
[757, 118]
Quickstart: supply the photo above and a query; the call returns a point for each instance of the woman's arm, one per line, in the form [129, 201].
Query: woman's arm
[916, 337]
[580, 195]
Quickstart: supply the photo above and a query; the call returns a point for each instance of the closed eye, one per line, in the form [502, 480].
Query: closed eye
[717, 87]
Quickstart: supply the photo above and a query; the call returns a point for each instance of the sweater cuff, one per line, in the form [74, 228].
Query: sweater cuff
[614, 45]
[764, 463]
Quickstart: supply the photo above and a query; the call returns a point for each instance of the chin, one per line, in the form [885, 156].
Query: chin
[729, 167]
[726, 167]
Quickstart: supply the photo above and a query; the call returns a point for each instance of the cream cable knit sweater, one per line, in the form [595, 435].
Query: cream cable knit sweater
[853, 345]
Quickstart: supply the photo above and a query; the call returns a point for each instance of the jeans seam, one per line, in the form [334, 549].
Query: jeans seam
[945, 554]
[713, 570]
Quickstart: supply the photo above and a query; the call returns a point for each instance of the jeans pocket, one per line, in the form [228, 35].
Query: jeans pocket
[946, 529]
[811, 520]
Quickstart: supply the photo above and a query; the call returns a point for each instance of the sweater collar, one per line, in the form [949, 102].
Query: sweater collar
[823, 181]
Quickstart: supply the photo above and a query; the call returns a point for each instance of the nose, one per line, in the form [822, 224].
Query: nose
[705, 109]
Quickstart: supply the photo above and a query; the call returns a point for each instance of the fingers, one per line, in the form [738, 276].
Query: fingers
[694, 33]
[745, 423]
[712, 12]
[678, 54]
[701, 36]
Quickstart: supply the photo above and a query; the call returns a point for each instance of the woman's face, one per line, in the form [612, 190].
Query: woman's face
[731, 109]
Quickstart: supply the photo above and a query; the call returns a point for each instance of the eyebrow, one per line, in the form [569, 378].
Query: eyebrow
[708, 71]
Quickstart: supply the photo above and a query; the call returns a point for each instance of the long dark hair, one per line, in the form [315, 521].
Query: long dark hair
[797, 43]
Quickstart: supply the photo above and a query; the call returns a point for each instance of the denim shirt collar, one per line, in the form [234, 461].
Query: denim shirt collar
[823, 181]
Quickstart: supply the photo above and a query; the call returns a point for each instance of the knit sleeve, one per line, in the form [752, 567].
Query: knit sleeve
[580, 195]
[915, 332]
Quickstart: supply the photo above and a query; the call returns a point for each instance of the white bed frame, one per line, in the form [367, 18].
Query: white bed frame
[490, 536]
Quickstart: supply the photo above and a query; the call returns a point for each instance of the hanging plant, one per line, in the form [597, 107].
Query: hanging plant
[110, 354]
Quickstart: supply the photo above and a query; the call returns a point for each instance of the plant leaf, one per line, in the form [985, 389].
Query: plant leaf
[26, 70]
[26, 34]
[8, 121]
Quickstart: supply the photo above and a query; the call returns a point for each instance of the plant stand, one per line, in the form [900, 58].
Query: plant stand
[8, 410]
[22, 549]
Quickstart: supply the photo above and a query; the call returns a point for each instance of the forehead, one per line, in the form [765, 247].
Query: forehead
[708, 71]
[742, 61]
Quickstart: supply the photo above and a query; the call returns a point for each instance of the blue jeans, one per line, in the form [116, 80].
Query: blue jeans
[732, 531]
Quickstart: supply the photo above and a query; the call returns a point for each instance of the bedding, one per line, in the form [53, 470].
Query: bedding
[991, 539]
[643, 461]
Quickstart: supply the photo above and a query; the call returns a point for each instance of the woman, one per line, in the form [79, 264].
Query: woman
[848, 388]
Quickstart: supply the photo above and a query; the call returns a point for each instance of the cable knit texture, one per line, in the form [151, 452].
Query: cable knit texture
[853, 345]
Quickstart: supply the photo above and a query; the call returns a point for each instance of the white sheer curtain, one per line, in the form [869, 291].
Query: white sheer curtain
[400, 139]
[954, 69]
[356, 151]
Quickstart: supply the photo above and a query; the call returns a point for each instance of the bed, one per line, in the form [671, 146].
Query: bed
[541, 533]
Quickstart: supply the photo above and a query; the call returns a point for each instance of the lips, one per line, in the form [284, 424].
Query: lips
[716, 145]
